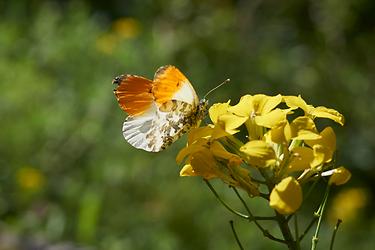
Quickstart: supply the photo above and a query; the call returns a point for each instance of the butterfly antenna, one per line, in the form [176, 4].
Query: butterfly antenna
[218, 86]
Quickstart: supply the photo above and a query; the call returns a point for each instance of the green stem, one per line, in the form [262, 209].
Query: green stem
[285, 230]
[312, 222]
[251, 216]
[314, 240]
[236, 236]
[296, 231]
[334, 233]
[224, 203]
[256, 218]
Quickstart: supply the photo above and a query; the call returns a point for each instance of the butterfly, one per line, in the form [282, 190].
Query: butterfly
[160, 110]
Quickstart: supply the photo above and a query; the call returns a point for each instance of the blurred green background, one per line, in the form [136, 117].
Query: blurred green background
[68, 179]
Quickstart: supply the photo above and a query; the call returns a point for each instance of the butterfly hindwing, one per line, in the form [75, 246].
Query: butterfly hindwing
[154, 132]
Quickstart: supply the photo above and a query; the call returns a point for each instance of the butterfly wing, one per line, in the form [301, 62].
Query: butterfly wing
[159, 111]
[156, 130]
[133, 94]
[171, 84]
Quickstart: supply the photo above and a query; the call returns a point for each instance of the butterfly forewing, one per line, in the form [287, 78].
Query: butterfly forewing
[133, 93]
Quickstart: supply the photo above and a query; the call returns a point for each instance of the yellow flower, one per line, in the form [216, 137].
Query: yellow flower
[295, 102]
[107, 43]
[339, 176]
[217, 110]
[30, 179]
[281, 133]
[219, 151]
[303, 128]
[202, 163]
[257, 105]
[199, 138]
[326, 142]
[259, 153]
[221, 117]
[207, 157]
[219, 163]
[301, 159]
[348, 205]
[286, 197]
[255, 109]
[126, 27]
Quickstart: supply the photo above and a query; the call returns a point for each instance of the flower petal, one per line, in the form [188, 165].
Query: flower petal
[244, 107]
[191, 149]
[301, 159]
[286, 197]
[187, 170]
[219, 151]
[231, 122]
[324, 112]
[259, 152]
[303, 128]
[217, 110]
[327, 140]
[295, 102]
[268, 103]
[340, 176]
[272, 118]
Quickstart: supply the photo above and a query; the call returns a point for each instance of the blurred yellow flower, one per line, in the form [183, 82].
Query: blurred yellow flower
[286, 197]
[348, 205]
[126, 27]
[122, 28]
[107, 43]
[29, 178]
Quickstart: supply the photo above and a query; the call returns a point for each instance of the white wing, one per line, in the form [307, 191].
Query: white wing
[158, 128]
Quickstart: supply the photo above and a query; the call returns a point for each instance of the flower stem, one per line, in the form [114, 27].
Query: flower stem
[296, 231]
[251, 216]
[312, 222]
[224, 203]
[256, 218]
[285, 230]
[314, 240]
[235, 235]
[334, 233]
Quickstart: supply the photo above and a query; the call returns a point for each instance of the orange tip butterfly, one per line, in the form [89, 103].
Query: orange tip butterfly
[159, 111]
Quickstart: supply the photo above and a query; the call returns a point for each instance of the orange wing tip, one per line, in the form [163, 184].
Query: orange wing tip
[133, 93]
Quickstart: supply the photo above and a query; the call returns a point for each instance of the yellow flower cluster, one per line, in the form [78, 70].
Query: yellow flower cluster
[270, 137]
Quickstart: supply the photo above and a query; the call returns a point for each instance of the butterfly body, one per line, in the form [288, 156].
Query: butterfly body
[159, 111]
